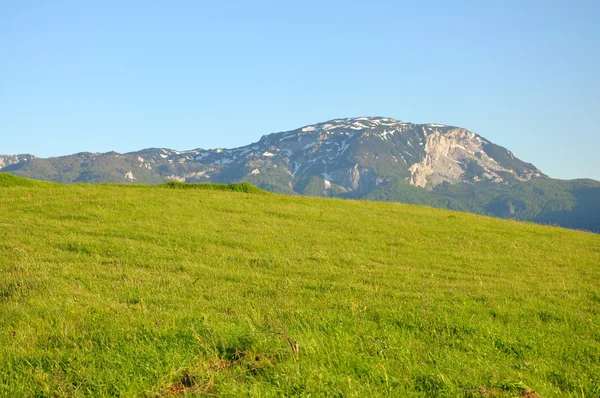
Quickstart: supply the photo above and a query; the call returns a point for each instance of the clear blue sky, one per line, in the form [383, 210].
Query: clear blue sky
[125, 75]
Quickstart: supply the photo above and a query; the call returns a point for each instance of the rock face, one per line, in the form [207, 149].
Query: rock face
[350, 156]
[449, 155]
[8, 160]
[129, 176]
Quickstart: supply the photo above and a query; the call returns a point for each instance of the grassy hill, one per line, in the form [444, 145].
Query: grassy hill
[153, 291]
[9, 180]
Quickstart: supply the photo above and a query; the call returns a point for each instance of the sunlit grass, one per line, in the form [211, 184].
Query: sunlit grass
[134, 290]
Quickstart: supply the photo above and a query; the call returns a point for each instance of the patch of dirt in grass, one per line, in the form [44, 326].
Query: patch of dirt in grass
[191, 382]
[187, 384]
[219, 365]
[498, 392]
[254, 364]
[529, 394]
[488, 392]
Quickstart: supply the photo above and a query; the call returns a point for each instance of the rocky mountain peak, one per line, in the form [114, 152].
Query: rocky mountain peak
[345, 155]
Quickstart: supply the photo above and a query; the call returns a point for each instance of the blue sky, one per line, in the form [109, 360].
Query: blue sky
[125, 75]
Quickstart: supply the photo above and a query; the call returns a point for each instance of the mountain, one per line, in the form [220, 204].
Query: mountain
[9, 160]
[375, 158]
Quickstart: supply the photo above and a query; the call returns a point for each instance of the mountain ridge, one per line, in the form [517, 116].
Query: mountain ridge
[378, 158]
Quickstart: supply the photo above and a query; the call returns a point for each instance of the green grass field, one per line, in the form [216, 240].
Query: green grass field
[152, 291]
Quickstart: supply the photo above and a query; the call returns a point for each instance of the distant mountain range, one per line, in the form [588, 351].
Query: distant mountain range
[373, 158]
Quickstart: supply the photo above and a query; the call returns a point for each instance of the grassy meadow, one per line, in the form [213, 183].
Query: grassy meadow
[110, 290]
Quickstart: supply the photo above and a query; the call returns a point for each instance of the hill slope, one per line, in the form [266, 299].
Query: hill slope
[9, 180]
[135, 290]
[366, 157]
